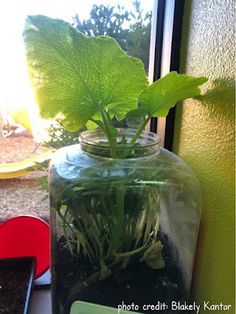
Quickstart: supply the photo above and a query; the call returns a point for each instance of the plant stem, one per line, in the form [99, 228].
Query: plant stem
[134, 252]
[108, 127]
[139, 131]
[65, 225]
[118, 220]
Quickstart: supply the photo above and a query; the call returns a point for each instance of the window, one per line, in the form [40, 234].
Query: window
[164, 56]
[127, 21]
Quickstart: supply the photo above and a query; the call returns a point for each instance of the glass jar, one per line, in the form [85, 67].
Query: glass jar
[122, 229]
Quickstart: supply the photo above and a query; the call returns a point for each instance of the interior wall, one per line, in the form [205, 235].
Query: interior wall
[204, 138]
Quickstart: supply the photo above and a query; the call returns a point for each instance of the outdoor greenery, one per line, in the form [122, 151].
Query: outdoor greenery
[60, 137]
[131, 29]
[87, 81]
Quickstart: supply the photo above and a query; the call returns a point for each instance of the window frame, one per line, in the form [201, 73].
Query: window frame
[165, 57]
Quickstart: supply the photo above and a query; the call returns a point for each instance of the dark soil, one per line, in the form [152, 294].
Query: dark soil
[13, 290]
[138, 283]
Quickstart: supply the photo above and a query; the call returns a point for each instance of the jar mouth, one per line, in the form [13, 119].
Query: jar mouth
[146, 144]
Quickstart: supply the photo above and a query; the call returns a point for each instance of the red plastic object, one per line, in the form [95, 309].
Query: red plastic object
[25, 236]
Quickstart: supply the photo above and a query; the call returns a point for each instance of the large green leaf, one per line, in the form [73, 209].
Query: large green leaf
[163, 94]
[76, 76]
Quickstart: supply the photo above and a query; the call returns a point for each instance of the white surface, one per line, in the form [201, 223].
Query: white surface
[41, 302]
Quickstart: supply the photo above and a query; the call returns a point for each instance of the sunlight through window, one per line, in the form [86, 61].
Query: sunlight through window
[17, 103]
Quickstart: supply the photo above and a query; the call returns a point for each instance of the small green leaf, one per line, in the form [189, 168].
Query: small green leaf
[137, 113]
[163, 94]
[153, 256]
[123, 140]
[91, 125]
[119, 109]
[75, 76]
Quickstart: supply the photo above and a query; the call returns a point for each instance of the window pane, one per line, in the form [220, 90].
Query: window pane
[129, 22]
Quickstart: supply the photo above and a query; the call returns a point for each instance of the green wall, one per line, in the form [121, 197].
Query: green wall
[204, 138]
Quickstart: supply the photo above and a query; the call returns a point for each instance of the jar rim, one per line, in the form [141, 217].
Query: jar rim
[145, 140]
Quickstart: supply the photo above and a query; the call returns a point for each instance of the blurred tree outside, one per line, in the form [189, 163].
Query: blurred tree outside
[131, 29]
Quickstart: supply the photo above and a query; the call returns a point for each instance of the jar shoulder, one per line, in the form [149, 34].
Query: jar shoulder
[71, 163]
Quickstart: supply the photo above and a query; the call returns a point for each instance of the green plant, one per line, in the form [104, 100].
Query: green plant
[60, 137]
[87, 82]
